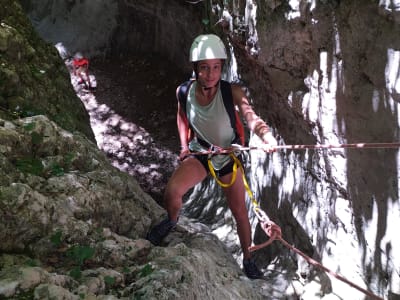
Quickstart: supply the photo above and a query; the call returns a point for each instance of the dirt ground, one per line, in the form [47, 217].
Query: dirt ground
[132, 108]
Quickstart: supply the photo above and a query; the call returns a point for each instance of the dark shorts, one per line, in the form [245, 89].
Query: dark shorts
[227, 169]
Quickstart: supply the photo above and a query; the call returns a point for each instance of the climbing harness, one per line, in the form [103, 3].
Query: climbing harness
[236, 163]
[272, 230]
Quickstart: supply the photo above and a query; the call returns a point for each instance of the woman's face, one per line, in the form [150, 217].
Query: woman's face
[209, 72]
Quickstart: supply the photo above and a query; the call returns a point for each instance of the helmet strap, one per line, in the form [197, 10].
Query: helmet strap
[196, 73]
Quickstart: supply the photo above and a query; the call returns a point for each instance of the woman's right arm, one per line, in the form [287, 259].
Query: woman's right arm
[183, 130]
[183, 127]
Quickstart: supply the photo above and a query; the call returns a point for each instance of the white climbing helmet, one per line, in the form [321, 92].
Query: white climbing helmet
[207, 46]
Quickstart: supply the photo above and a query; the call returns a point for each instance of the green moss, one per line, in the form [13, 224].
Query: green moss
[32, 263]
[27, 295]
[34, 74]
[146, 270]
[80, 253]
[30, 165]
[56, 238]
[109, 280]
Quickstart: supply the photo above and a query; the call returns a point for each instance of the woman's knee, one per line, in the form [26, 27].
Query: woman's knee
[174, 190]
[172, 200]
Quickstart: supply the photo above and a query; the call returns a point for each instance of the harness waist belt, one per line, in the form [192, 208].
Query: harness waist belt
[207, 145]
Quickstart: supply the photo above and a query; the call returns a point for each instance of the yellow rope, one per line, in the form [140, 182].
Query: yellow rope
[234, 170]
[236, 164]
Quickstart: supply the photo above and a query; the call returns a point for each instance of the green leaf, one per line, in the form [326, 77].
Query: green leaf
[76, 273]
[56, 238]
[30, 165]
[57, 170]
[146, 270]
[37, 138]
[69, 157]
[32, 263]
[80, 253]
[109, 280]
[29, 126]
[68, 160]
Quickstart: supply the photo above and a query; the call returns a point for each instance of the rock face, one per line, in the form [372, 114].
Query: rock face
[318, 71]
[33, 79]
[324, 74]
[117, 27]
[72, 226]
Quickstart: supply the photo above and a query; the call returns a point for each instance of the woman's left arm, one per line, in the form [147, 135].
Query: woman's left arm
[254, 122]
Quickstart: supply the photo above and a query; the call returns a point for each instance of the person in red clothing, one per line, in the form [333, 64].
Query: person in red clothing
[208, 119]
[81, 69]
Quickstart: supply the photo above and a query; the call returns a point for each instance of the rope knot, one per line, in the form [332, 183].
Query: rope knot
[272, 230]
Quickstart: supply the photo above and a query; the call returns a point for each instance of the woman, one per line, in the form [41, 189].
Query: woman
[204, 113]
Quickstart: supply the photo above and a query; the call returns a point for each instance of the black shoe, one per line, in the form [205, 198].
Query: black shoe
[251, 270]
[160, 231]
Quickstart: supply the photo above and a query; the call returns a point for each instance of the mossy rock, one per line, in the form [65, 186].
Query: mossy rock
[33, 77]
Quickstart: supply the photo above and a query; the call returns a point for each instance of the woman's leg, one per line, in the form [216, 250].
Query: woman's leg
[187, 175]
[235, 195]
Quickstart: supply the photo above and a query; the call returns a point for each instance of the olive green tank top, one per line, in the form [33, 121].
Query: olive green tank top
[210, 123]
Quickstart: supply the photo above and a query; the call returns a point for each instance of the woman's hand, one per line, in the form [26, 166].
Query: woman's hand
[270, 142]
[184, 153]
